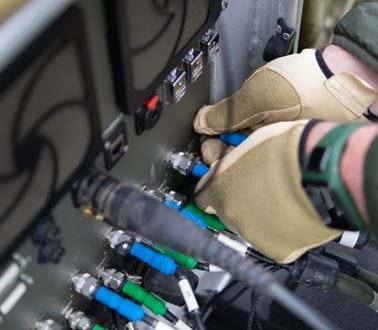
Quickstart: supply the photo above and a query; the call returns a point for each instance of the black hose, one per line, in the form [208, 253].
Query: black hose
[128, 208]
[198, 323]
[169, 316]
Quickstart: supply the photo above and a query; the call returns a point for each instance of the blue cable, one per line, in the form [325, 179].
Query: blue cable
[186, 213]
[122, 306]
[194, 218]
[234, 138]
[199, 170]
[161, 262]
[172, 205]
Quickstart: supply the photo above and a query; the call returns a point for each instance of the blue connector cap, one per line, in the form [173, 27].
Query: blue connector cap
[159, 261]
[199, 170]
[194, 218]
[233, 139]
[122, 306]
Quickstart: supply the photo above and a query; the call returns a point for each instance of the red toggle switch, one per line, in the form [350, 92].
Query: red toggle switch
[152, 103]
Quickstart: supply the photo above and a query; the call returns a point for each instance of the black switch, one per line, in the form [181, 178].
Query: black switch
[147, 116]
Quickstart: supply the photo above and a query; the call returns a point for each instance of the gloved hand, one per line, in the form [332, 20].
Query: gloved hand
[289, 88]
[256, 190]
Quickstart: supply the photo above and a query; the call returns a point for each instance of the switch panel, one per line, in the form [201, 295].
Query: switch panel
[143, 54]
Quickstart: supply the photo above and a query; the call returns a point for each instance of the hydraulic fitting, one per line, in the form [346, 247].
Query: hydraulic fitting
[176, 201]
[180, 161]
[85, 284]
[46, 324]
[185, 164]
[77, 320]
[120, 241]
[112, 278]
[175, 198]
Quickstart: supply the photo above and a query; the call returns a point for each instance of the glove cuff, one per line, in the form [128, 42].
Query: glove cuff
[302, 142]
[322, 170]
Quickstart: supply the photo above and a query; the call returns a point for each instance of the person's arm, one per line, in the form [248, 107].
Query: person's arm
[355, 167]
[340, 60]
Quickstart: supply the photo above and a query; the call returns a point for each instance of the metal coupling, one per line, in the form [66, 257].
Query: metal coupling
[112, 278]
[77, 320]
[175, 197]
[85, 284]
[120, 241]
[180, 161]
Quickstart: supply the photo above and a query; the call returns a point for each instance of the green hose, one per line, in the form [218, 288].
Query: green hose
[356, 289]
[98, 327]
[180, 258]
[211, 220]
[369, 278]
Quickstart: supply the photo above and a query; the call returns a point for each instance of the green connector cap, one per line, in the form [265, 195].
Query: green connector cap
[182, 259]
[98, 327]
[211, 220]
[150, 301]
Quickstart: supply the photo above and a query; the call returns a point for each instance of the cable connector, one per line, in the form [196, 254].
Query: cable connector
[77, 320]
[185, 164]
[119, 282]
[90, 287]
[85, 284]
[120, 241]
[112, 278]
[180, 161]
[124, 243]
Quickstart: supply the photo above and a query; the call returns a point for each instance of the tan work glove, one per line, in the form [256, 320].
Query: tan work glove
[289, 88]
[256, 190]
